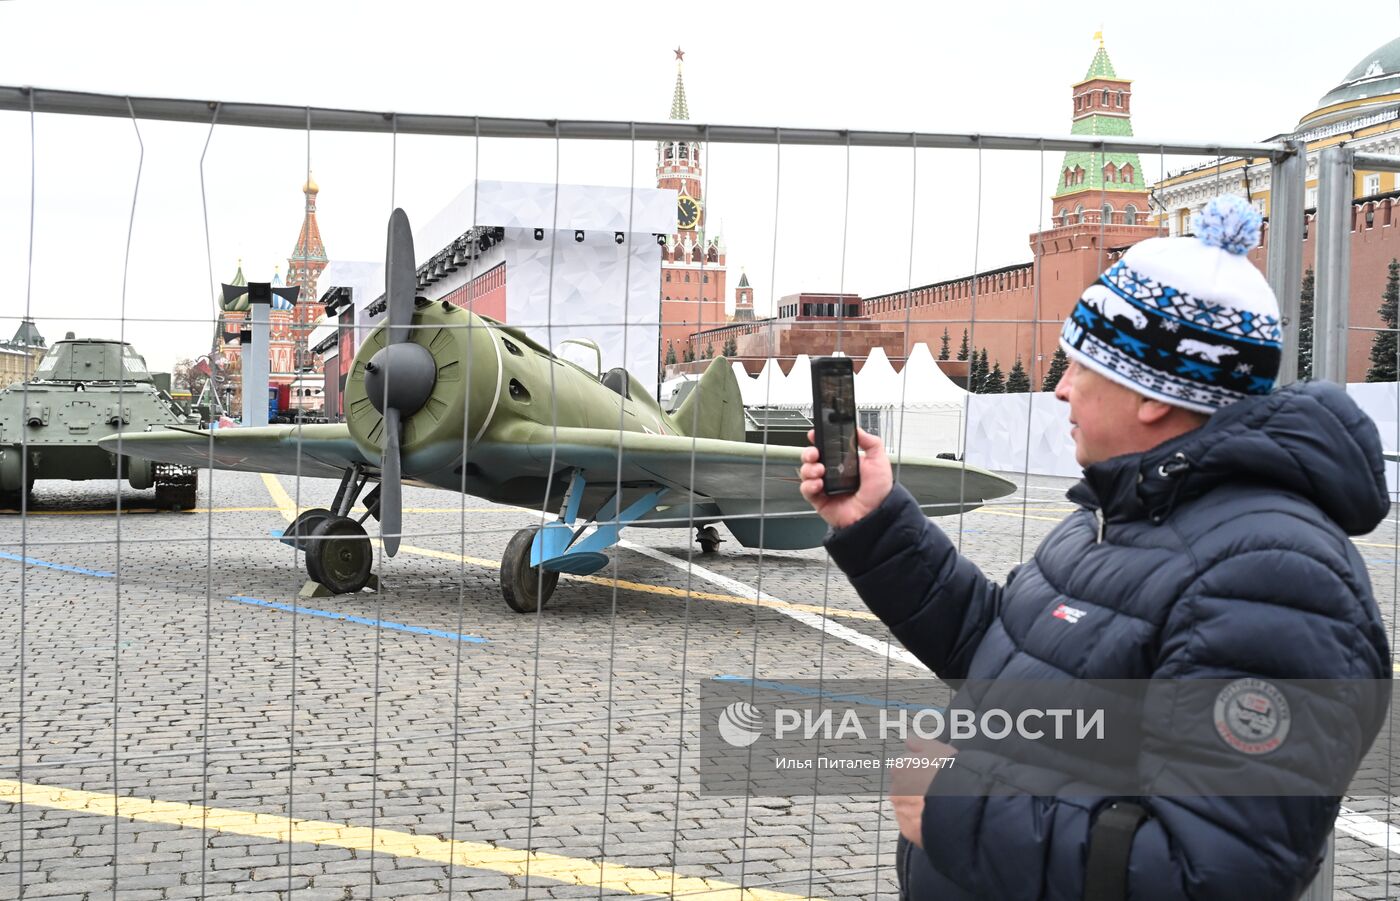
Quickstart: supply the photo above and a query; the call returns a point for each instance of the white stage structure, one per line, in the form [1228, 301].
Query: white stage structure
[580, 261]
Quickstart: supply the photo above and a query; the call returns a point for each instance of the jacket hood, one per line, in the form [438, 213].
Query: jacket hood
[1309, 438]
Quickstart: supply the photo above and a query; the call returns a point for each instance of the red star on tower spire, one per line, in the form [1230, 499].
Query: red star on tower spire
[680, 54]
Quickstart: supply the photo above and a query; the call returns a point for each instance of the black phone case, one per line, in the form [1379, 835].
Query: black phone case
[834, 420]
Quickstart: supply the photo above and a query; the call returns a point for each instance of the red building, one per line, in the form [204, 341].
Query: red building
[807, 323]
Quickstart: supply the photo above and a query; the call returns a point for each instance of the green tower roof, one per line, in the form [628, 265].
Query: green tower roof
[679, 110]
[1094, 162]
[1102, 66]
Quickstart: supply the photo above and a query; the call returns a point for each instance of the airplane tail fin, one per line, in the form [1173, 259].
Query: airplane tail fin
[714, 408]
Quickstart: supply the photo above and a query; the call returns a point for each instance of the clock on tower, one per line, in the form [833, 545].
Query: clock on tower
[687, 212]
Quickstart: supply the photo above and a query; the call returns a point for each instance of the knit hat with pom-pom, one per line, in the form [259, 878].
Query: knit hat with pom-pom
[1187, 321]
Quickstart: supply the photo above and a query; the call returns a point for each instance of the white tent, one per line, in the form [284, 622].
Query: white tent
[797, 385]
[762, 390]
[877, 382]
[925, 382]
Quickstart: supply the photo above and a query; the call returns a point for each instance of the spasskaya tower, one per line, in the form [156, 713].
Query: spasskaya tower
[692, 264]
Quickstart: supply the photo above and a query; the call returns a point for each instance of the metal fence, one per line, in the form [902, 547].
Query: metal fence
[332, 738]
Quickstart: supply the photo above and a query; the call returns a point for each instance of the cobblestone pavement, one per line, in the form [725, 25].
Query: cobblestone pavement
[154, 668]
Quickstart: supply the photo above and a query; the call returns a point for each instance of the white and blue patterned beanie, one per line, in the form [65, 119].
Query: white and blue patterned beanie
[1187, 321]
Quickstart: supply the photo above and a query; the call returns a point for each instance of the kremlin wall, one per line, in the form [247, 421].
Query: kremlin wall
[1101, 207]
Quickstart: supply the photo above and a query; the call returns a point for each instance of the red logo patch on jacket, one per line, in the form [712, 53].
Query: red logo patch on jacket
[1069, 614]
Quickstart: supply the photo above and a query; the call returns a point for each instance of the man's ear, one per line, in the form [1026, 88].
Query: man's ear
[1151, 412]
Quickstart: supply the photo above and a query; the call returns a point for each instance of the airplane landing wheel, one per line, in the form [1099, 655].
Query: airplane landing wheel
[526, 588]
[339, 555]
[709, 539]
[305, 523]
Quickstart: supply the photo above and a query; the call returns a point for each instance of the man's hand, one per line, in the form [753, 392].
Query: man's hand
[909, 784]
[876, 480]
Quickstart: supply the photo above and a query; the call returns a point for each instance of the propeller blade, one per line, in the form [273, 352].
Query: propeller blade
[390, 491]
[400, 276]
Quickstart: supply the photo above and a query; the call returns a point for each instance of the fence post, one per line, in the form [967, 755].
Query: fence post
[1334, 175]
[1330, 310]
[1285, 260]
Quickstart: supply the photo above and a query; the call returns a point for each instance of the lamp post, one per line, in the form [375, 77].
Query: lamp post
[255, 348]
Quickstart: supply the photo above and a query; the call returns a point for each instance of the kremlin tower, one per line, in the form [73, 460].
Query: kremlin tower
[743, 300]
[1095, 186]
[1099, 209]
[692, 264]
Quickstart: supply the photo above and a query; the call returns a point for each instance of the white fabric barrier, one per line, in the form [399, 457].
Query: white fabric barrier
[998, 438]
[1379, 400]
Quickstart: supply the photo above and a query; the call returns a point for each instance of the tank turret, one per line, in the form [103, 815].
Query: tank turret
[82, 391]
[92, 360]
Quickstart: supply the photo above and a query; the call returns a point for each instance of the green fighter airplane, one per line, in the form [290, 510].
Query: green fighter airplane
[441, 397]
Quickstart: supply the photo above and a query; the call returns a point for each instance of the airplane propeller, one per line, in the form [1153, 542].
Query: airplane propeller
[400, 377]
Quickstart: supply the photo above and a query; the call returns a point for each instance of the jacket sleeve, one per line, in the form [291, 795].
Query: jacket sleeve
[935, 601]
[1272, 615]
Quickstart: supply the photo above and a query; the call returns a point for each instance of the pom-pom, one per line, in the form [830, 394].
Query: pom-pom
[1228, 222]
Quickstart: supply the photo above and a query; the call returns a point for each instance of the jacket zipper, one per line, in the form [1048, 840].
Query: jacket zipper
[1098, 518]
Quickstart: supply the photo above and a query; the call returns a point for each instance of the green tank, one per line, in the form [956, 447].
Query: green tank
[82, 391]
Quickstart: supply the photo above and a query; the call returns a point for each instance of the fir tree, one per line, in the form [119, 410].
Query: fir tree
[710, 351]
[996, 382]
[1383, 346]
[670, 354]
[962, 351]
[1017, 382]
[1305, 326]
[943, 349]
[1058, 364]
[977, 373]
[688, 355]
[731, 347]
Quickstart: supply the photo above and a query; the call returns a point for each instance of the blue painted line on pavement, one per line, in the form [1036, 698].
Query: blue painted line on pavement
[361, 620]
[807, 691]
[61, 567]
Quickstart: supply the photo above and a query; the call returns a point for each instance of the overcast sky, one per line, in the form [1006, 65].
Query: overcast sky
[1200, 71]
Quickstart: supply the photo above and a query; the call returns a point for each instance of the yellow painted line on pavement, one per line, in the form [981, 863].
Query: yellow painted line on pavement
[473, 855]
[284, 504]
[129, 510]
[645, 588]
[287, 507]
[1015, 515]
[126, 510]
[280, 497]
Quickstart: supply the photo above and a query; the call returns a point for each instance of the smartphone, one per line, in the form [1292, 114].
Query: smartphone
[834, 406]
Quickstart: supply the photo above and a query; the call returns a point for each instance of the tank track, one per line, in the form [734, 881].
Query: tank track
[177, 487]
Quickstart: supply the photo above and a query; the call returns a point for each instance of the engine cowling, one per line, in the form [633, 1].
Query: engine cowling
[461, 349]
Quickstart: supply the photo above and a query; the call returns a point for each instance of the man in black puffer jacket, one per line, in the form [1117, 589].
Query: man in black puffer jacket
[1211, 543]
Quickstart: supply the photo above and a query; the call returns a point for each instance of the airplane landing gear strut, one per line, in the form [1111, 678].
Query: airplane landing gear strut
[338, 550]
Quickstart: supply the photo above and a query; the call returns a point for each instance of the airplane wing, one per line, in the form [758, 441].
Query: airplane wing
[311, 450]
[733, 481]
